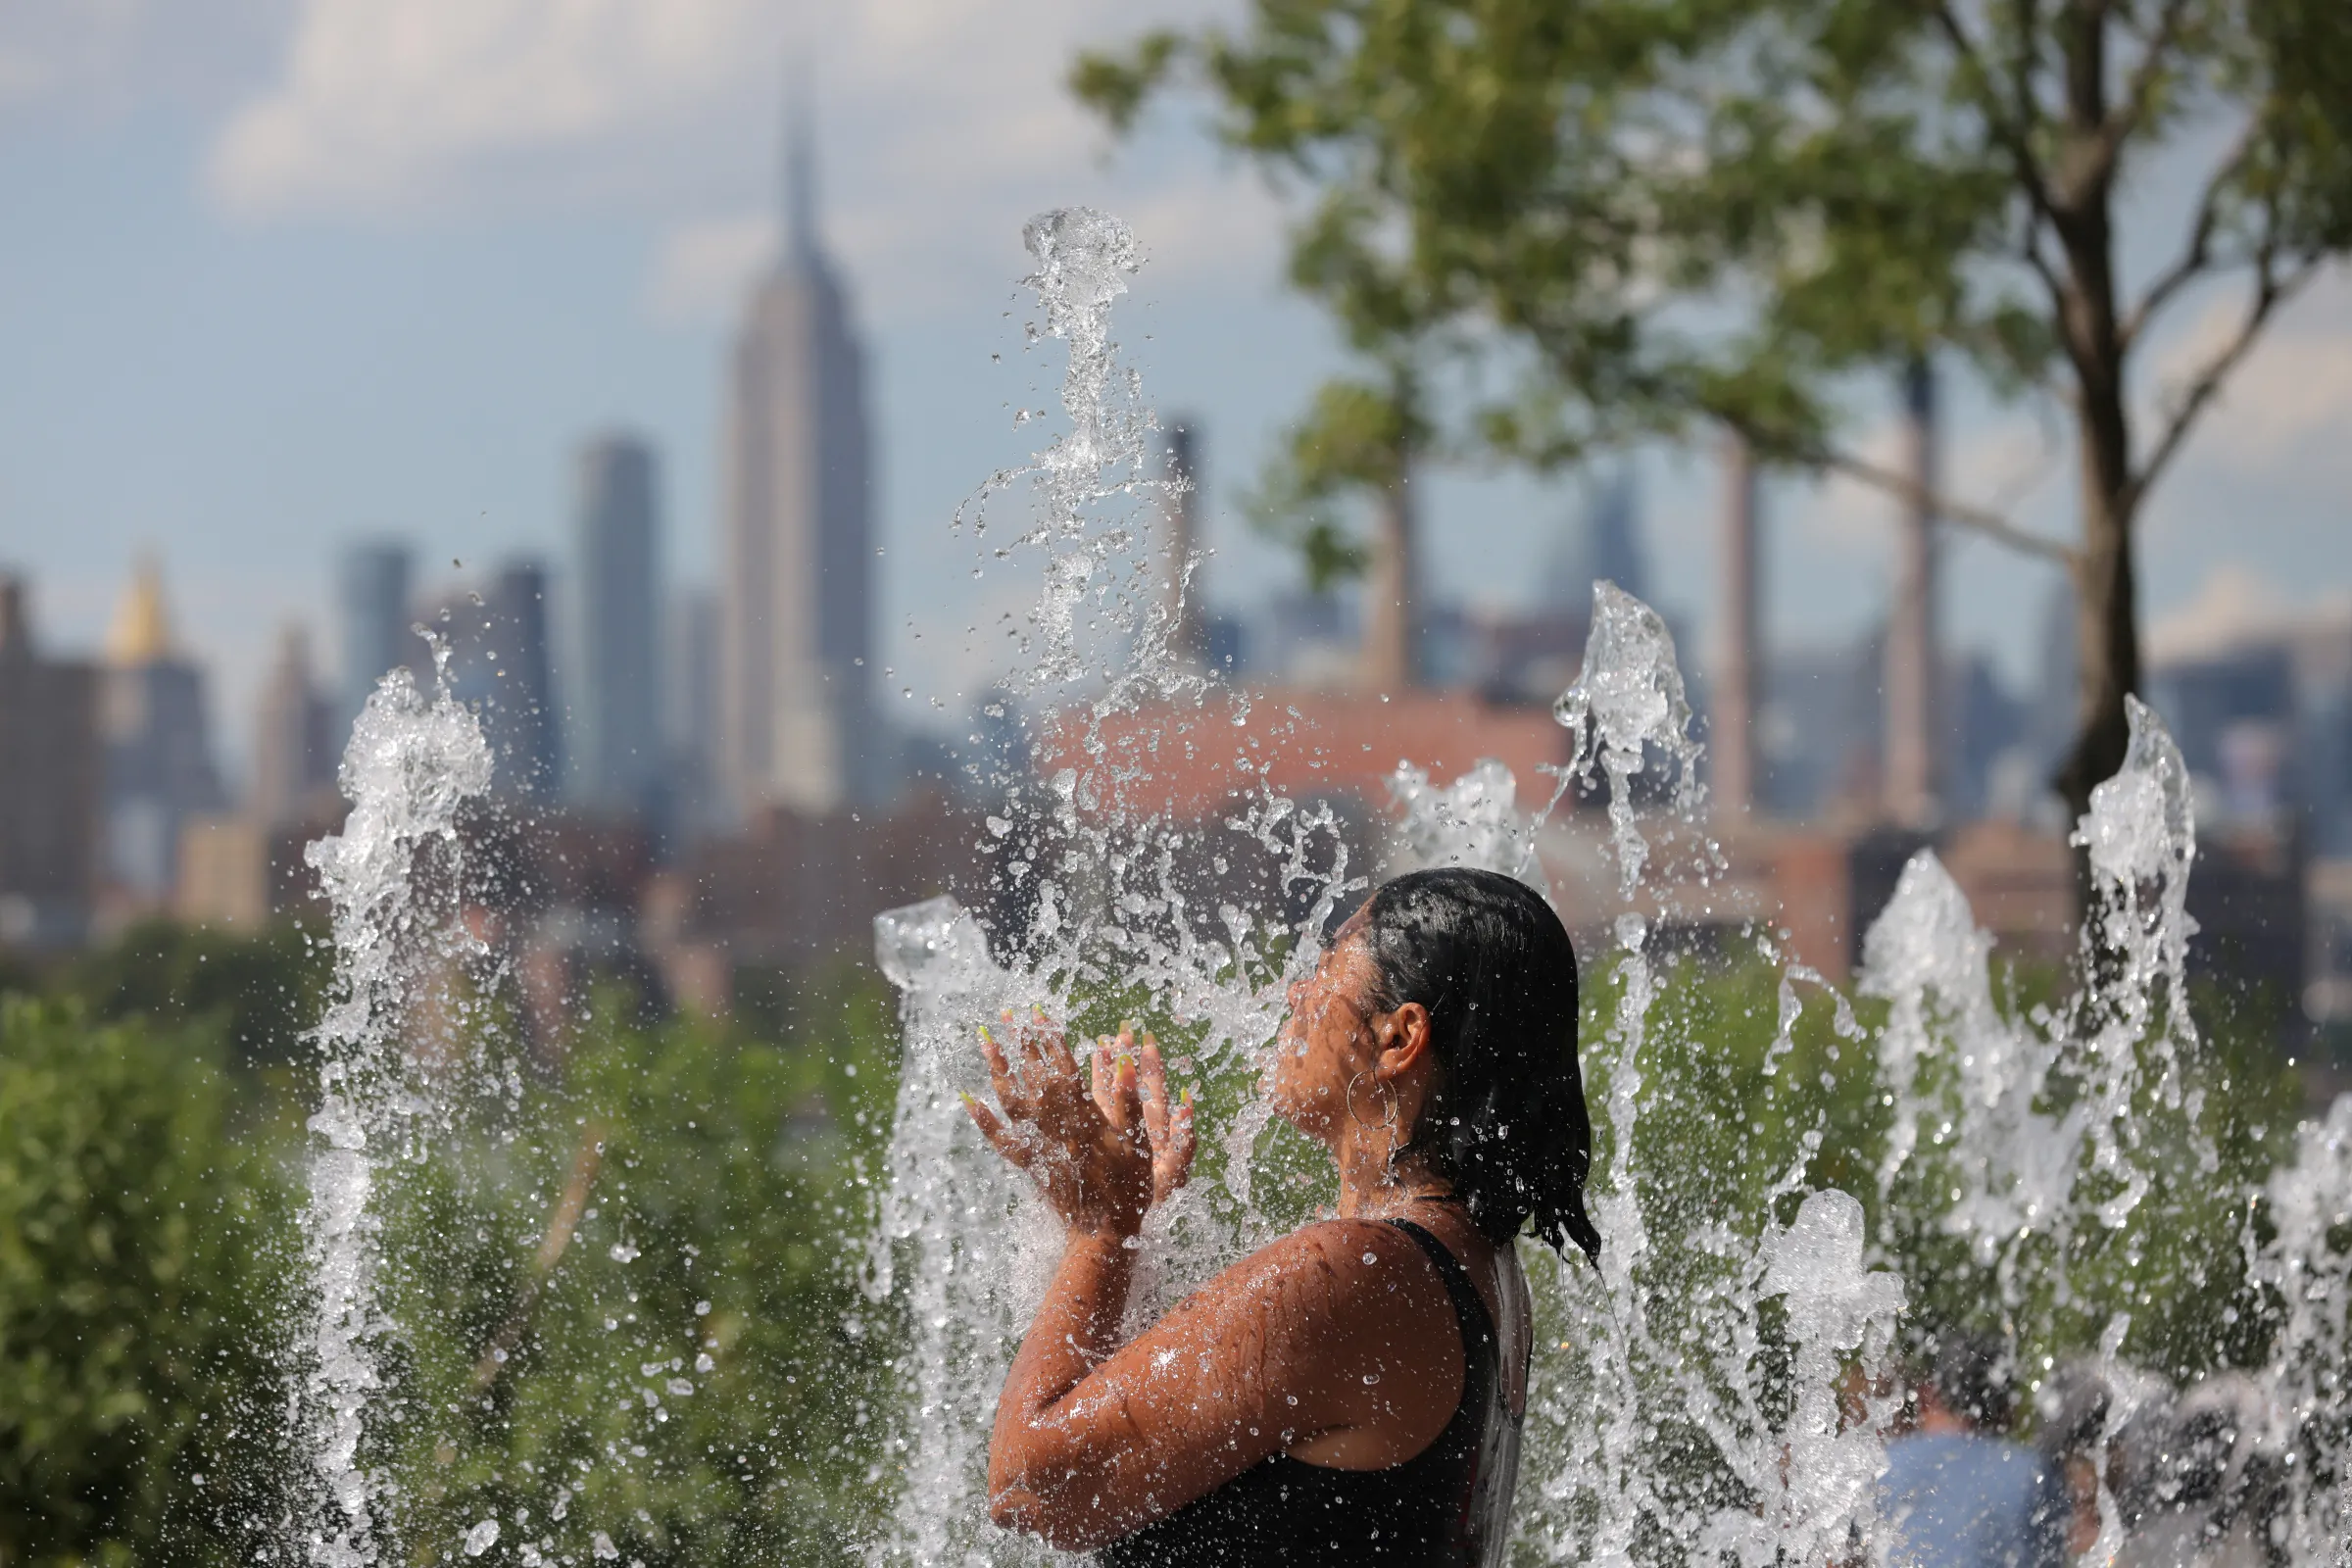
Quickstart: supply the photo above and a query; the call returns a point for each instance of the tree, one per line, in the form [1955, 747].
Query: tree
[1634, 217]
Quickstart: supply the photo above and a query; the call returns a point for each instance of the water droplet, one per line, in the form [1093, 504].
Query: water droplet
[482, 1537]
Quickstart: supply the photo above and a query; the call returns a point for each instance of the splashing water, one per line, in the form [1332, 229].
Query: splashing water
[1723, 1388]
[960, 1247]
[1118, 912]
[1627, 698]
[1720, 1389]
[412, 763]
[1473, 821]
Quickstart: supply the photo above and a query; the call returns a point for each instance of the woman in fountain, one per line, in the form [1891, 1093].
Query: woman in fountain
[1353, 1393]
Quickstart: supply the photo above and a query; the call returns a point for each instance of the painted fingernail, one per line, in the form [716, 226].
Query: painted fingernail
[1131, 1026]
[1185, 1096]
[985, 1037]
[965, 1096]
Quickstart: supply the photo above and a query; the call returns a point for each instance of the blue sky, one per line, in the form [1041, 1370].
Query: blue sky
[278, 273]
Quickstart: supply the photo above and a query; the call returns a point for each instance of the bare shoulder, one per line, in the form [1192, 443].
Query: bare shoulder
[1334, 1273]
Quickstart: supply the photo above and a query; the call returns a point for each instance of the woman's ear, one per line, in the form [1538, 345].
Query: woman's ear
[1404, 1044]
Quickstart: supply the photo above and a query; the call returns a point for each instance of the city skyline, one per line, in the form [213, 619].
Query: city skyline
[303, 361]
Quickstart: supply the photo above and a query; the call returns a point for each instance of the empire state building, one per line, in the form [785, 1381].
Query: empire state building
[797, 727]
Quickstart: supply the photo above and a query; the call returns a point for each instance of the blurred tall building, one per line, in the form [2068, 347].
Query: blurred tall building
[157, 737]
[51, 781]
[614, 684]
[294, 750]
[692, 706]
[1613, 551]
[377, 589]
[499, 665]
[797, 726]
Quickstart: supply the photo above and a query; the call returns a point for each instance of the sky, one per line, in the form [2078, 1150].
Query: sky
[280, 274]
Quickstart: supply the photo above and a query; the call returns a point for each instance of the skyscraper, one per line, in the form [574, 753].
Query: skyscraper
[378, 612]
[615, 680]
[158, 738]
[499, 667]
[797, 618]
[294, 750]
[1613, 550]
[50, 785]
[692, 706]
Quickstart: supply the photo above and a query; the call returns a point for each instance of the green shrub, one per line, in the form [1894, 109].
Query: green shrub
[145, 1257]
[723, 1210]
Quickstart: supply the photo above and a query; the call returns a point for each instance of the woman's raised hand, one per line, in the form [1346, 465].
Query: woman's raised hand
[1103, 1148]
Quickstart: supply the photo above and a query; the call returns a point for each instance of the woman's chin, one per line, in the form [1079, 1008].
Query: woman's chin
[1300, 1111]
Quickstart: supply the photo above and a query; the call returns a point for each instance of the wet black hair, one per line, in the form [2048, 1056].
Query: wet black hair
[1505, 1119]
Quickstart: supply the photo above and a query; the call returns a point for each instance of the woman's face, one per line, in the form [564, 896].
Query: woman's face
[1327, 1038]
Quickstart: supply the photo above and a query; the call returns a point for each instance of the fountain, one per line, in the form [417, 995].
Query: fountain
[412, 763]
[1788, 1181]
[1722, 1388]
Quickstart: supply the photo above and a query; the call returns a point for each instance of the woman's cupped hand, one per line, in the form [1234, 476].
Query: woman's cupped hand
[1102, 1143]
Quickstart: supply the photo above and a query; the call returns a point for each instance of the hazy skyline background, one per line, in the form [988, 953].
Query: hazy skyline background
[280, 273]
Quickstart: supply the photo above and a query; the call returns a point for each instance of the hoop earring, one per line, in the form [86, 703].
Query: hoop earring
[1388, 1122]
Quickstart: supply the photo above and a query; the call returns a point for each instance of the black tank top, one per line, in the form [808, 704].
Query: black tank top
[1448, 1506]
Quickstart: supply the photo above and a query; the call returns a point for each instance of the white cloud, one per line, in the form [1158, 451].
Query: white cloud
[944, 123]
[2290, 396]
[425, 104]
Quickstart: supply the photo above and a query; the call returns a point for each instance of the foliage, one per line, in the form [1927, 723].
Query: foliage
[577, 1223]
[261, 991]
[1356, 438]
[696, 1369]
[1624, 218]
[1738, 1106]
[1711, 210]
[145, 1260]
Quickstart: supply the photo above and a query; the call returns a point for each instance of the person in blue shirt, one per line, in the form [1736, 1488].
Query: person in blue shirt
[1956, 1491]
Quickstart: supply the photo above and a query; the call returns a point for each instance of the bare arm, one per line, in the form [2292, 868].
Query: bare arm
[1326, 1331]
[1076, 1329]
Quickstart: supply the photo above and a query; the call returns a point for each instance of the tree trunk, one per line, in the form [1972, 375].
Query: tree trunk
[2107, 653]
[2106, 625]
[2106, 588]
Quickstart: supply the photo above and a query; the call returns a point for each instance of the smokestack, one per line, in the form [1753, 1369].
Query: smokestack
[1182, 504]
[1390, 655]
[1912, 798]
[1732, 733]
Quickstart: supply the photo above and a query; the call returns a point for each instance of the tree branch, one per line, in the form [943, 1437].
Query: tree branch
[1978, 519]
[2008, 132]
[2196, 257]
[2043, 267]
[562, 1223]
[2140, 96]
[2269, 292]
